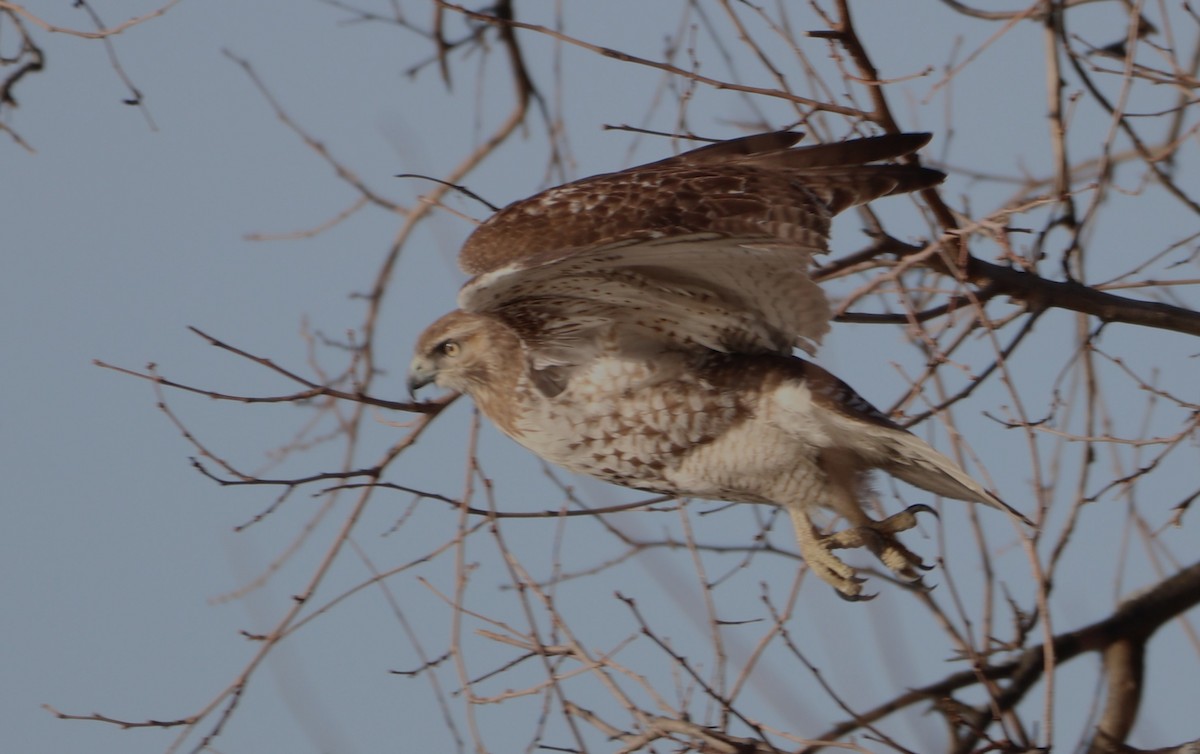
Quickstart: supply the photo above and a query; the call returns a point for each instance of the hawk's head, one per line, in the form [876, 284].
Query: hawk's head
[463, 352]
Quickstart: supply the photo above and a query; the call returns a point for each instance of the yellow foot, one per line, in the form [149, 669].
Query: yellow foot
[836, 573]
[827, 566]
[880, 538]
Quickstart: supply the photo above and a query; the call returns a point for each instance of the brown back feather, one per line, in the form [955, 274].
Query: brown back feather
[753, 187]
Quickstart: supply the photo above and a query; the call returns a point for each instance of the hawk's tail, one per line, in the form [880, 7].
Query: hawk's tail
[914, 461]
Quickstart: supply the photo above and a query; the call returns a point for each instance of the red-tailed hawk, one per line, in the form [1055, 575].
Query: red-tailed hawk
[639, 327]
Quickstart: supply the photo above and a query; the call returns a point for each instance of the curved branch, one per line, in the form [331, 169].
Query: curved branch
[625, 57]
[20, 10]
[1042, 293]
[1135, 620]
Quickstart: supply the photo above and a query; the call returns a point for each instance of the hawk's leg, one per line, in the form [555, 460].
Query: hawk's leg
[880, 538]
[815, 549]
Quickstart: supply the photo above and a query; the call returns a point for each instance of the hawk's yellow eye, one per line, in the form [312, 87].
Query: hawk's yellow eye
[449, 348]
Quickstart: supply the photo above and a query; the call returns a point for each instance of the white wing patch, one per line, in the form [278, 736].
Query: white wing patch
[704, 290]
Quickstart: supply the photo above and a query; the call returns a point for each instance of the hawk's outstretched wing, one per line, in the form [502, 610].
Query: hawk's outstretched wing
[729, 295]
[708, 249]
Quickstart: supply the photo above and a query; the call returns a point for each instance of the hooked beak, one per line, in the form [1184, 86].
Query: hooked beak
[421, 372]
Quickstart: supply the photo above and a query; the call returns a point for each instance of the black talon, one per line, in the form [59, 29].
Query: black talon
[922, 508]
[920, 586]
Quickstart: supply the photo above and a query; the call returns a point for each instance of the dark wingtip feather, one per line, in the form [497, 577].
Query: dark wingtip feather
[772, 142]
[853, 152]
[775, 149]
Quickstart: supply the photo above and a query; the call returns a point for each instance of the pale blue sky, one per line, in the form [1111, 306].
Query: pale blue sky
[115, 237]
